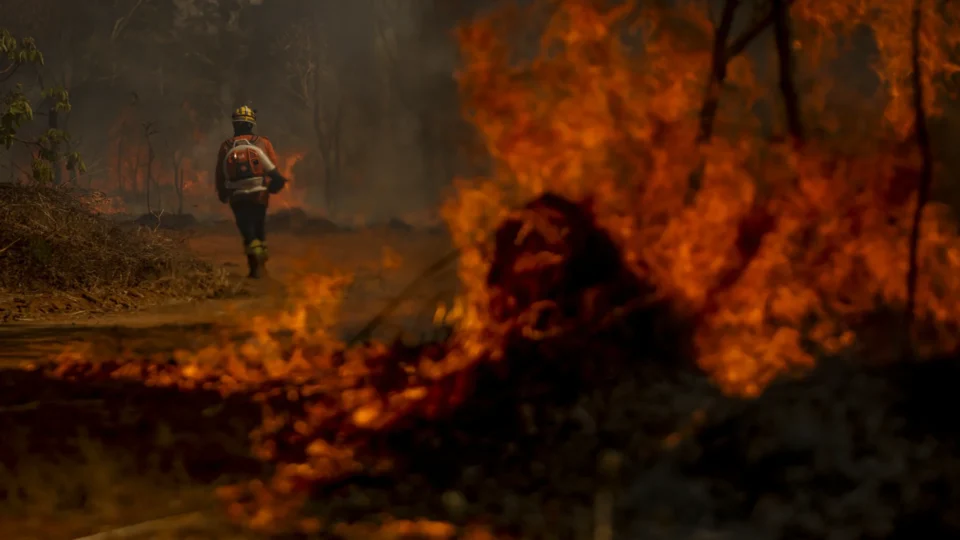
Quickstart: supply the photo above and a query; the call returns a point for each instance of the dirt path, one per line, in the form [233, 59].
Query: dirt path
[81, 459]
[166, 328]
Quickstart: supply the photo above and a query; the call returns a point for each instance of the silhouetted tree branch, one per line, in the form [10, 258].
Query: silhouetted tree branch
[718, 71]
[926, 168]
[722, 53]
[788, 90]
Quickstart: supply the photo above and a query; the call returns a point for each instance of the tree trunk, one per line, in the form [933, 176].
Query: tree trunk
[718, 72]
[428, 158]
[178, 181]
[149, 180]
[788, 89]
[120, 184]
[137, 186]
[53, 119]
[329, 145]
[328, 180]
[317, 121]
[180, 193]
[147, 192]
[711, 97]
[926, 171]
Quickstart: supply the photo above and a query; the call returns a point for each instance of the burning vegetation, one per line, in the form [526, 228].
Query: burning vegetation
[636, 227]
[157, 176]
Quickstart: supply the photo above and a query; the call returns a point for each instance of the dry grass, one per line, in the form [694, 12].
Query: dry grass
[54, 244]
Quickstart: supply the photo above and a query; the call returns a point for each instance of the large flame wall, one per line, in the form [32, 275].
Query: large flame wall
[781, 255]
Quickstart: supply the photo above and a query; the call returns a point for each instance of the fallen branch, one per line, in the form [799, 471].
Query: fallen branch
[156, 525]
[374, 323]
[34, 405]
[10, 245]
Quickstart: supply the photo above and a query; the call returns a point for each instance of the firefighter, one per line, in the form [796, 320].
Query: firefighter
[246, 177]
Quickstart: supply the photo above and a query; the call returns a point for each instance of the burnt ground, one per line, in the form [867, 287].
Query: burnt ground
[651, 450]
[176, 323]
[78, 458]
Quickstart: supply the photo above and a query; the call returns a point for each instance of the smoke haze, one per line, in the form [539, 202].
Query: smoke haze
[358, 97]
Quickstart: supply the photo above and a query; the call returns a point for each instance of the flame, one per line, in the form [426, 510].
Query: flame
[775, 238]
[780, 256]
[126, 173]
[295, 192]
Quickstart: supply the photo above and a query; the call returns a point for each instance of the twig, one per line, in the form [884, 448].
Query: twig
[395, 302]
[926, 169]
[171, 522]
[34, 405]
[156, 215]
[8, 246]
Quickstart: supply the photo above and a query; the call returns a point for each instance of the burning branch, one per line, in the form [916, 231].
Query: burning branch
[926, 171]
[788, 89]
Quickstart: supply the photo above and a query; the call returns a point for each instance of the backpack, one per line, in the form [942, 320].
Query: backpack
[243, 161]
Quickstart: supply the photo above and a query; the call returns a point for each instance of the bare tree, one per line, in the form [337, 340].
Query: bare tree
[314, 84]
[179, 181]
[149, 130]
[410, 38]
[121, 185]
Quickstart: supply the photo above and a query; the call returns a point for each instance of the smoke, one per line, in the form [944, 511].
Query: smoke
[387, 100]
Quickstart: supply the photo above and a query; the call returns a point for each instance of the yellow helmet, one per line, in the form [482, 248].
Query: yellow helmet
[245, 114]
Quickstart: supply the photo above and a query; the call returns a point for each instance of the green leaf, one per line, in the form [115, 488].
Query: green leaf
[41, 170]
[16, 111]
[75, 162]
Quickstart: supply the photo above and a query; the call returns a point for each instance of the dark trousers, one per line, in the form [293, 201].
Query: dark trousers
[251, 216]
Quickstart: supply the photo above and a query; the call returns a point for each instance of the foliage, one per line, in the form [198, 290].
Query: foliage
[16, 111]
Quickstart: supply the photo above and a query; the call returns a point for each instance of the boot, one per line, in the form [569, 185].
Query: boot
[255, 259]
[253, 263]
[256, 256]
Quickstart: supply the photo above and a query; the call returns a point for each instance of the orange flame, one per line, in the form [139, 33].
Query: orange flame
[295, 192]
[774, 238]
[779, 256]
